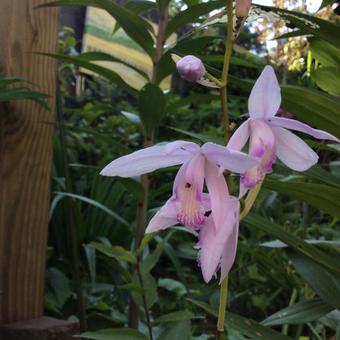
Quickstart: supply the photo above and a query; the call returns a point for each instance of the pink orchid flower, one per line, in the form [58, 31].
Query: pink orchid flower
[215, 216]
[268, 135]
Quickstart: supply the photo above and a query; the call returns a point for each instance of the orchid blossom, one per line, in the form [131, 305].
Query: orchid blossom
[214, 216]
[269, 136]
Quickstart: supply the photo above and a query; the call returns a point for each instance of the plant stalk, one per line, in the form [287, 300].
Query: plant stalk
[227, 133]
[70, 215]
[141, 214]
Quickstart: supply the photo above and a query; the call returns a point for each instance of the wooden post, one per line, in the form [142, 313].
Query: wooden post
[25, 158]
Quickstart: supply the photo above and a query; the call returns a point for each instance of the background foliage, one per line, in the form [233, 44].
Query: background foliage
[286, 279]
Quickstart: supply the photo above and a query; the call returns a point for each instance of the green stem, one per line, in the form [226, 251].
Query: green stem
[222, 308]
[72, 233]
[227, 132]
[141, 213]
[225, 71]
[250, 200]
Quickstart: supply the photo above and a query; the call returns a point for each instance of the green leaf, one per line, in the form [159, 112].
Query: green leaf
[132, 117]
[294, 242]
[309, 24]
[152, 104]
[138, 7]
[327, 78]
[101, 56]
[150, 290]
[175, 316]
[173, 286]
[95, 204]
[59, 287]
[192, 14]
[116, 252]
[301, 312]
[115, 334]
[200, 137]
[219, 58]
[20, 93]
[313, 107]
[176, 330]
[12, 80]
[320, 196]
[194, 45]
[326, 285]
[320, 174]
[100, 70]
[151, 260]
[245, 326]
[132, 24]
[145, 241]
[324, 53]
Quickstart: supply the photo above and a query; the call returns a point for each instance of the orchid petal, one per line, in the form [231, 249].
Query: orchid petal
[293, 124]
[232, 160]
[265, 97]
[218, 242]
[164, 218]
[230, 247]
[293, 151]
[150, 159]
[218, 192]
[240, 137]
[194, 173]
[187, 191]
[262, 147]
[212, 244]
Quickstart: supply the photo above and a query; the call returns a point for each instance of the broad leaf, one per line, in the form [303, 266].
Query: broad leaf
[324, 53]
[175, 316]
[301, 312]
[327, 78]
[114, 334]
[326, 285]
[176, 330]
[152, 103]
[309, 24]
[323, 197]
[294, 242]
[245, 326]
[116, 252]
[192, 14]
[100, 70]
[319, 110]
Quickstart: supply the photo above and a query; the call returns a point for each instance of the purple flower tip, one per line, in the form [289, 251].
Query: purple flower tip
[190, 68]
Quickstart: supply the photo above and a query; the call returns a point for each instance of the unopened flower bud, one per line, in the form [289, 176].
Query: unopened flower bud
[242, 8]
[190, 68]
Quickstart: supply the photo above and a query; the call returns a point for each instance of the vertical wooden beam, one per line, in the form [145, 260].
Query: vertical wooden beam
[25, 158]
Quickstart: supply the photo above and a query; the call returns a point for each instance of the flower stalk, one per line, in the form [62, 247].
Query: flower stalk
[142, 205]
[227, 134]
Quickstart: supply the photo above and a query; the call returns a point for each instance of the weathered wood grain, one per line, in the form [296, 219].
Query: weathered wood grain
[25, 158]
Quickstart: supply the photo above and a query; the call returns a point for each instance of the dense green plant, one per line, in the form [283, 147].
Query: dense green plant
[285, 282]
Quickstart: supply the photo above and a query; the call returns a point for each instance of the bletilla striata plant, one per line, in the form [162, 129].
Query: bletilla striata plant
[214, 216]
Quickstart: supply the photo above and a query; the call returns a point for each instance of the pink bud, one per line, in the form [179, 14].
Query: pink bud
[242, 8]
[190, 68]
